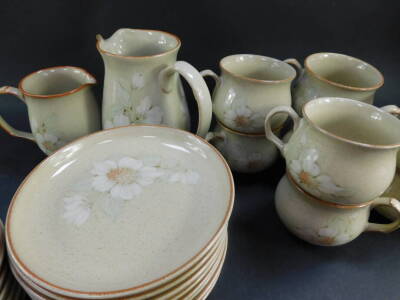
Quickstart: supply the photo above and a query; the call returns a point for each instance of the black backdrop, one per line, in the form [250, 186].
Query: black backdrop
[264, 260]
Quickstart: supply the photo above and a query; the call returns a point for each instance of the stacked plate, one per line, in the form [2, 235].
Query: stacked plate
[9, 288]
[138, 212]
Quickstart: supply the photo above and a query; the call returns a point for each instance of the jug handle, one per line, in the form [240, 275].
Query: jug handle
[269, 132]
[212, 74]
[385, 228]
[7, 127]
[199, 89]
[297, 66]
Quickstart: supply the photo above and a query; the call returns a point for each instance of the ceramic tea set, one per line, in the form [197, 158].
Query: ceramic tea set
[142, 211]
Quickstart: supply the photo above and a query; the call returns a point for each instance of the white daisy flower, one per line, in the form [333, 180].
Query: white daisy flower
[307, 172]
[49, 142]
[185, 177]
[241, 116]
[124, 178]
[77, 209]
[117, 121]
[138, 81]
[146, 113]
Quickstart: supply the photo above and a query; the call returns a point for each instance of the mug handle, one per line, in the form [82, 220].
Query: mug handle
[385, 228]
[297, 66]
[199, 89]
[269, 131]
[7, 127]
[214, 136]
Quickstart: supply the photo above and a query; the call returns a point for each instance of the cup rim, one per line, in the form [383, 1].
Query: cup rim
[116, 293]
[58, 95]
[348, 87]
[323, 202]
[343, 139]
[255, 135]
[289, 79]
[99, 38]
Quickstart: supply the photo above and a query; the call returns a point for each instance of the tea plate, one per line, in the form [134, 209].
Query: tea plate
[164, 192]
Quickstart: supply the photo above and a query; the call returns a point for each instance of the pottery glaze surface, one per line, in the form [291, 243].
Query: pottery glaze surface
[325, 224]
[342, 150]
[109, 199]
[336, 75]
[61, 106]
[141, 83]
[248, 88]
[244, 152]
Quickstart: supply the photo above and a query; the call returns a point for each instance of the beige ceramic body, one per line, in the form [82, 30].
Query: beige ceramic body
[244, 153]
[142, 84]
[316, 82]
[61, 106]
[339, 169]
[248, 88]
[324, 224]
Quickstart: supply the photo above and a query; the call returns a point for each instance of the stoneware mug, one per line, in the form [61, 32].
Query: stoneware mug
[245, 152]
[336, 75]
[248, 88]
[324, 223]
[342, 150]
[141, 83]
[61, 106]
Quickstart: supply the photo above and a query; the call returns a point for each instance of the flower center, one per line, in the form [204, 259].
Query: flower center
[122, 175]
[48, 145]
[241, 121]
[305, 178]
[328, 240]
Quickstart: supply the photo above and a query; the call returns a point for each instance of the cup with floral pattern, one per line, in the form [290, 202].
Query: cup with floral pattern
[324, 223]
[61, 106]
[142, 84]
[245, 152]
[342, 150]
[336, 75]
[248, 88]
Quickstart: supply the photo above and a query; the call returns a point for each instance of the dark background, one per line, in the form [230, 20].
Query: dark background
[264, 261]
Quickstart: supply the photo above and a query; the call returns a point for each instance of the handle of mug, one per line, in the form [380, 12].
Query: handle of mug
[199, 89]
[7, 127]
[297, 66]
[385, 228]
[211, 136]
[212, 74]
[392, 109]
[269, 132]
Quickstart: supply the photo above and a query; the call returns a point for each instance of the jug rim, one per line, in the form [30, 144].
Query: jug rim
[243, 77]
[58, 95]
[101, 50]
[343, 139]
[341, 85]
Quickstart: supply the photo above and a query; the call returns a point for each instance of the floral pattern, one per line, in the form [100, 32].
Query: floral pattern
[131, 109]
[240, 115]
[307, 172]
[47, 141]
[121, 180]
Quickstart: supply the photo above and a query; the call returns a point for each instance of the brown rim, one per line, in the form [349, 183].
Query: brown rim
[391, 146]
[201, 251]
[323, 202]
[255, 135]
[56, 95]
[289, 79]
[375, 87]
[100, 38]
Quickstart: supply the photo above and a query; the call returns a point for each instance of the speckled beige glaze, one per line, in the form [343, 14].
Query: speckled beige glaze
[336, 75]
[200, 213]
[141, 83]
[248, 88]
[322, 223]
[245, 153]
[61, 106]
[342, 151]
